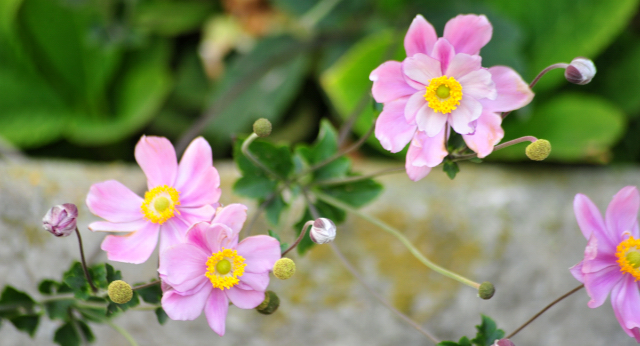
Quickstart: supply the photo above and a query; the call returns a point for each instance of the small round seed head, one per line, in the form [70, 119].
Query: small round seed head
[284, 268]
[262, 127]
[538, 150]
[120, 292]
[486, 290]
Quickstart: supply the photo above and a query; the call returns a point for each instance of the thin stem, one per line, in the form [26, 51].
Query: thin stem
[317, 13]
[414, 251]
[498, 147]
[381, 299]
[247, 153]
[535, 80]
[152, 283]
[545, 309]
[84, 263]
[122, 332]
[329, 182]
[351, 119]
[302, 233]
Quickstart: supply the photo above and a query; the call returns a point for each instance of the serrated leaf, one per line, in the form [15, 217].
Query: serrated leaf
[76, 280]
[488, 332]
[58, 309]
[464, 341]
[151, 294]
[98, 274]
[276, 157]
[259, 187]
[15, 303]
[451, 168]
[355, 194]
[67, 335]
[112, 274]
[161, 316]
[26, 323]
[86, 331]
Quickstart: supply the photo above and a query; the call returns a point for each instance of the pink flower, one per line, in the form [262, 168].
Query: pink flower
[211, 268]
[179, 195]
[441, 84]
[612, 258]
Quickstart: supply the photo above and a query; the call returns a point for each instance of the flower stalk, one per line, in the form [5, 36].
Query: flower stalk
[84, 263]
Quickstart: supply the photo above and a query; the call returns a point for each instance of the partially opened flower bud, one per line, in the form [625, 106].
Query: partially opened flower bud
[270, 303]
[323, 231]
[580, 71]
[262, 127]
[538, 150]
[61, 219]
[120, 292]
[486, 290]
[503, 342]
[284, 268]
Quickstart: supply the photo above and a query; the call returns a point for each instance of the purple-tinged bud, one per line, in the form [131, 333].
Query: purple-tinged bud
[503, 342]
[61, 219]
[323, 231]
[580, 71]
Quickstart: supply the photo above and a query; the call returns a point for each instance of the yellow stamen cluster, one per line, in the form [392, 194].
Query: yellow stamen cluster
[224, 268]
[159, 204]
[628, 253]
[443, 94]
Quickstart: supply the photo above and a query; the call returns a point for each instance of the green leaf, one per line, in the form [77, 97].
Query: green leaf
[254, 186]
[283, 246]
[160, 16]
[624, 72]
[112, 274]
[451, 168]
[274, 209]
[355, 194]
[14, 303]
[48, 287]
[151, 294]
[99, 275]
[161, 316]
[94, 314]
[487, 332]
[580, 128]
[26, 323]
[67, 335]
[464, 341]
[58, 309]
[75, 278]
[86, 331]
[275, 157]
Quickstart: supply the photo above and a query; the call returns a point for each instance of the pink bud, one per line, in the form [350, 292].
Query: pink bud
[503, 342]
[323, 231]
[580, 71]
[61, 219]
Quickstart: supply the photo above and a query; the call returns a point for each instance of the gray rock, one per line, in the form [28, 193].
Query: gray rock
[511, 225]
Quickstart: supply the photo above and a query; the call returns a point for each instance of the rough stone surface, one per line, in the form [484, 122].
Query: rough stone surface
[513, 226]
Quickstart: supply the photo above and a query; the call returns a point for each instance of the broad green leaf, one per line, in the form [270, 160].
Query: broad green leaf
[355, 194]
[48, 286]
[172, 18]
[161, 315]
[14, 303]
[86, 331]
[26, 323]
[75, 278]
[112, 274]
[464, 341]
[58, 309]
[580, 127]
[620, 81]
[275, 157]
[274, 209]
[488, 332]
[451, 168]
[151, 294]
[67, 335]
[98, 274]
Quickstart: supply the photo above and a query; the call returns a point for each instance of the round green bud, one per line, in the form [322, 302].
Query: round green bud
[262, 127]
[538, 150]
[284, 268]
[486, 290]
[120, 292]
[270, 303]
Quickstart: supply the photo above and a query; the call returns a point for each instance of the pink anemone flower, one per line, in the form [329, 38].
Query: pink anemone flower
[211, 268]
[442, 85]
[612, 257]
[179, 195]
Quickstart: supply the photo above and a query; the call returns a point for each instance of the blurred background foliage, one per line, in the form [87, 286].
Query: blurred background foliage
[85, 78]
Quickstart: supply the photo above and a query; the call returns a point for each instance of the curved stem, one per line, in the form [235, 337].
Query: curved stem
[414, 251]
[302, 233]
[542, 73]
[122, 332]
[545, 309]
[498, 147]
[84, 264]
[329, 182]
[152, 283]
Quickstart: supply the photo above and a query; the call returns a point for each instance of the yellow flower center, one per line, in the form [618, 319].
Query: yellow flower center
[443, 94]
[159, 204]
[628, 253]
[224, 268]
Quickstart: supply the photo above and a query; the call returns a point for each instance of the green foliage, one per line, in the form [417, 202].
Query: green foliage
[451, 168]
[161, 315]
[486, 335]
[18, 308]
[283, 246]
[151, 294]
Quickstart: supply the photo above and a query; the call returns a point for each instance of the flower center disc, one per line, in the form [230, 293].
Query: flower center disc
[224, 267]
[443, 94]
[160, 203]
[628, 254]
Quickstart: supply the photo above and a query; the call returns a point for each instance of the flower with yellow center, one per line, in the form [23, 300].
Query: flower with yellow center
[224, 268]
[160, 203]
[628, 254]
[443, 94]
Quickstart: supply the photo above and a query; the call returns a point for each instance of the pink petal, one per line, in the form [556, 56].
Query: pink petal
[576, 271]
[468, 33]
[488, 133]
[478, 85]
[420, 69]
[625, 299]
[158, 161]
[135, 247]
[444, 52]
[463, 64]
[622, 213]
[172, 232]
[254, 281]
[198, 181]
[468, 110]
[114, 202]
[233, 215]
[599, 284]
[415, 173]
[211, 237]
[260, 253]
[430, 121]
[194, 215]
[588, 216]
[431, 151]
[184, 266]
[187, 307]
[216, 310]
[389, 83]
[420, 37]
[392, 129]
[513, 92]
[413, 104]
[105, 226]
[248, 299]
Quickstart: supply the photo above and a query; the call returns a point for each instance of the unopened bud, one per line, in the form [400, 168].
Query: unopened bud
[538, 150]
[262, 127]
[503, 342]
[486, 290]
[61, 219]
[284, 268]
[323, 231]
[270, 303]
[120, 292]
[580, 71]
